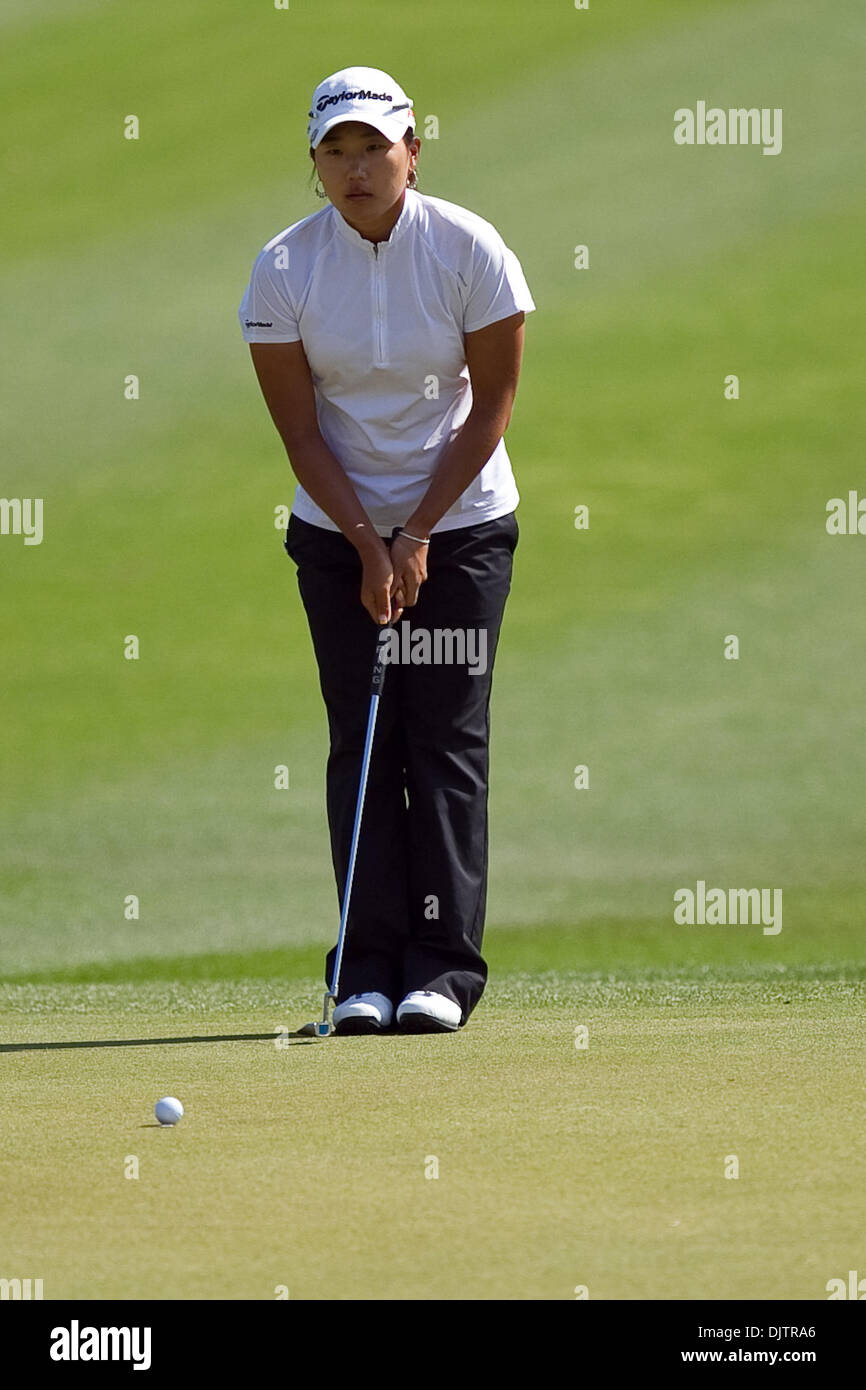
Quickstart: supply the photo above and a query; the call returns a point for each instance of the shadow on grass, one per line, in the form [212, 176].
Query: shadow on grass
[158, 1042]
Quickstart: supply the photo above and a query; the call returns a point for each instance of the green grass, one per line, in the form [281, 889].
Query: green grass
[623, 949]
[155, 777]
[557, 1166]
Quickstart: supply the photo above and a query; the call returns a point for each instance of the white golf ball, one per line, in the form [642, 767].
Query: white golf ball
[168, 1110]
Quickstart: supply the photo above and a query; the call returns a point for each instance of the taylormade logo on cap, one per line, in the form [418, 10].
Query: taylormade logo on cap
[360, 94]
[352, 96]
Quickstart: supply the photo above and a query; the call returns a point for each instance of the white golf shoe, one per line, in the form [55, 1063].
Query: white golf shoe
[424, 1011]
[363, 1013]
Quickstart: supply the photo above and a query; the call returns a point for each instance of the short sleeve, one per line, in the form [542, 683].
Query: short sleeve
[266, 311]
[498, 287]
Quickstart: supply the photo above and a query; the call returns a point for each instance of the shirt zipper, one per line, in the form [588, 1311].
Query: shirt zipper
[379, 359]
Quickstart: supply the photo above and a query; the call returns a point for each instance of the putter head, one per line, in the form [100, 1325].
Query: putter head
[316, 1030]
[325, 1028]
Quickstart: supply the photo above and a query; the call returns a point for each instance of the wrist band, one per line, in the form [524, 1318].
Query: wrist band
[419, 539]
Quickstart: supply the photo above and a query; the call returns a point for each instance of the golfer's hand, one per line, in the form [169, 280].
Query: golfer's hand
[409, 560]
[377, 586]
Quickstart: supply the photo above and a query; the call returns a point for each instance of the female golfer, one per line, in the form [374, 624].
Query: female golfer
[386, 332]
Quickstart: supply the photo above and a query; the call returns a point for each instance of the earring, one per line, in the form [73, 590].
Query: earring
[412, 181]
[323, 194]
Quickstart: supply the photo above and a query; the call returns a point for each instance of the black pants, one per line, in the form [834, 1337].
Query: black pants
[420, 888]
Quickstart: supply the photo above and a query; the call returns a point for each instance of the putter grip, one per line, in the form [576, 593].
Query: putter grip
[379, 663]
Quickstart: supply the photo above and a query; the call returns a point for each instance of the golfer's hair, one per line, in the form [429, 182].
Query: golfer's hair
[408, 137]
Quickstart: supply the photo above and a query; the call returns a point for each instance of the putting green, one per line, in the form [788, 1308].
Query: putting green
[306, 1165]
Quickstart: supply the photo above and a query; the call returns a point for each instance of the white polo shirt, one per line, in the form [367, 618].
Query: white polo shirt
[382, 326]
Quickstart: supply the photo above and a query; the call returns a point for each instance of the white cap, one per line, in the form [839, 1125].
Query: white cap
[360, 94]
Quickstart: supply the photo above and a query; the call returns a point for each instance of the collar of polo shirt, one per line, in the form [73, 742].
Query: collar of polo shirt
[408, 213]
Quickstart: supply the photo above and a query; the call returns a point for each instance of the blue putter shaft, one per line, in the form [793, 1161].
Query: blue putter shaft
[375, 695]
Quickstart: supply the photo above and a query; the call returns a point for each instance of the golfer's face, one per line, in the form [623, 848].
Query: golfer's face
[362, 172]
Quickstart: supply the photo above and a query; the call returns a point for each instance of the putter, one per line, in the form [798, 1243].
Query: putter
[325, 1027]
